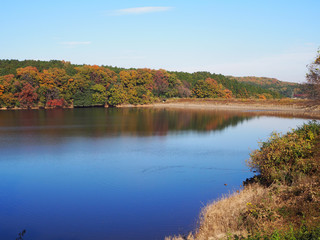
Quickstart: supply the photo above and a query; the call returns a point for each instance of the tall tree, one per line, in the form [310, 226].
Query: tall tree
[161, 83]
[313, 78]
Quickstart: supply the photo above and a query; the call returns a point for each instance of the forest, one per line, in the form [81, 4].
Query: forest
[52, 84]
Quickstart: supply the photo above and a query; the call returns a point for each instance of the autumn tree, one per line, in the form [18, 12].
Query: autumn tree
[145, 78]
[201, 90]
[184, 90]
[1, 89]
[29, 74]
[161, 83]
[10, 84]
[58, 75]
[8, 100]
[98, 75]
[51, 85]
[143, 86]
[227, 93]
[210, 88]
[137, 85]
[313, 78]
[28, 96]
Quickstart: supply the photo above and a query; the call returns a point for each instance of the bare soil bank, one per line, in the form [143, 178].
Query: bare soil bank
[288, 107]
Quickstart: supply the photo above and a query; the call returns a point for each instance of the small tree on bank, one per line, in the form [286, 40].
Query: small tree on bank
[313, 78]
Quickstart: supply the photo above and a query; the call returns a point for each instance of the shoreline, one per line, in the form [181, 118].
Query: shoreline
[292, 107]
[298, 108]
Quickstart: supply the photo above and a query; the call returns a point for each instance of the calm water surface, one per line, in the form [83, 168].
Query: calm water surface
[120, 173]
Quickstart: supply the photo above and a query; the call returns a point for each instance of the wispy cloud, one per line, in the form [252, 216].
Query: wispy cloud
[140, 10]
[75, 43]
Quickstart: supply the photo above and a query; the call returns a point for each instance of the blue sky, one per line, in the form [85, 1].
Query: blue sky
[241, 38]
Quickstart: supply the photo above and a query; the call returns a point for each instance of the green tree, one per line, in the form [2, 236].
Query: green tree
[116, 96]
[83, 99]
[99, 95]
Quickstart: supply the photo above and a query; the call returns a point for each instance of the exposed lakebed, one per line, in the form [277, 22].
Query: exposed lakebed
[120, 173]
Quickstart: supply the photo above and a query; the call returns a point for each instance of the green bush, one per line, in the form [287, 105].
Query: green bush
[284, 157]
[304, 233]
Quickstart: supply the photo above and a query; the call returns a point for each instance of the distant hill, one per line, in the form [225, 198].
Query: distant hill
[287, 89]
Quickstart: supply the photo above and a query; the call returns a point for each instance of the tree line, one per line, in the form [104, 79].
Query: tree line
[56, 83]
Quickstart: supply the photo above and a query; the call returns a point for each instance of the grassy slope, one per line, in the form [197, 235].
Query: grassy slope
[283, 202]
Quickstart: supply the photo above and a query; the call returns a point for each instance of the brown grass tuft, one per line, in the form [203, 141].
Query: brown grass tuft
[225, 216]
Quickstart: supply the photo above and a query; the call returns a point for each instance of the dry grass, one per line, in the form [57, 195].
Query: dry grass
[225, 215]
[260, 209]
[189, 237]
[229, 215]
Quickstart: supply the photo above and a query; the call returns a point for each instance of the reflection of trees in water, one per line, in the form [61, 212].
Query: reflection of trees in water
[127, 121]
[162, 121]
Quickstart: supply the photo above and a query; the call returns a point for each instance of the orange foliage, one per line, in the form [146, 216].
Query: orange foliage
[8, 99]
[211, 81]
[98, 75]
[1, 89]
[228, 93]
[28, 74]
[261, 96]
[47, 80]
[128, 78]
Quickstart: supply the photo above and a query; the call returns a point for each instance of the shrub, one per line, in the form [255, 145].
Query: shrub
[303, 233]
[285, 157]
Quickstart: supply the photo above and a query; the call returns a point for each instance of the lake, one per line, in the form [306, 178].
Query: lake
[96, 173]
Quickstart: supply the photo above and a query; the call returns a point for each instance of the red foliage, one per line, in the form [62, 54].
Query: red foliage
[27, 96]
[56, 103]
[161, 82]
